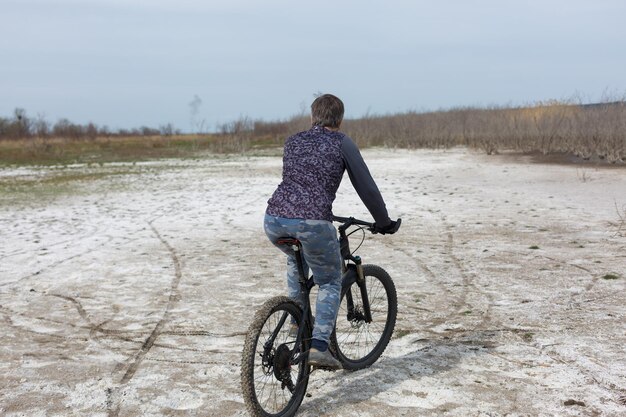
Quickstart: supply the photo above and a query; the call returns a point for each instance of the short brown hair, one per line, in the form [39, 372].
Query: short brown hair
[327, 110]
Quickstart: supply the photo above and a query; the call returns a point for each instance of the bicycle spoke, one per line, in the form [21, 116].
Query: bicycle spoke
[272, 382]
[360, 343]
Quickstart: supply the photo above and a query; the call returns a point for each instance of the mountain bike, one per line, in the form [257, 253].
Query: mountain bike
[275, 370]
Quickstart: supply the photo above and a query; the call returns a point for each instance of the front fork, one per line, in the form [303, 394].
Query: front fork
[353, 272]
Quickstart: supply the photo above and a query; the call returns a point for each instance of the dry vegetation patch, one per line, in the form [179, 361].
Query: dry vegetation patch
[566, 129]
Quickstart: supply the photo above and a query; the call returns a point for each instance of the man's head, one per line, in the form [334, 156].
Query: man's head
[327, 111]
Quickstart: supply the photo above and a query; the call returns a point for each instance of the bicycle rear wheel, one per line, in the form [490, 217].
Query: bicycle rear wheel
[359, 343]
[274, 371]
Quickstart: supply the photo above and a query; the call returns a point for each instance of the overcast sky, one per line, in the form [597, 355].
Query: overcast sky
[130, 63]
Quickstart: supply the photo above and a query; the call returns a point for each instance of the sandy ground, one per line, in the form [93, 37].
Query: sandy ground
[126, 290]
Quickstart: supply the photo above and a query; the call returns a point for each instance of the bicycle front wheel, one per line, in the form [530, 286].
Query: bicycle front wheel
[274, 369]
[358, 341]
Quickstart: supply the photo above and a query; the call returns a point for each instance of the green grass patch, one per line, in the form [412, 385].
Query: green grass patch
[48, 184]
[534, 247]
[611, 276]
[401, 333]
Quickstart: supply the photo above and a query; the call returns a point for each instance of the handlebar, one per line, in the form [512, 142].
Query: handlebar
[349, 221]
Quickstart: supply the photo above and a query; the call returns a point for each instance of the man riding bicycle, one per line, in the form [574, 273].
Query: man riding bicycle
[314, 162]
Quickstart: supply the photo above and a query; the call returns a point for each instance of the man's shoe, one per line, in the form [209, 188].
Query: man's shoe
[324, 360]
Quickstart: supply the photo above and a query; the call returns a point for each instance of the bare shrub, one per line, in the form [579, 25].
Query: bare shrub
[583, 175]
[234, 137]
[620, 226]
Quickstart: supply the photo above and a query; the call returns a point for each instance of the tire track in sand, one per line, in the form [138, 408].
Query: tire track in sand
[467, 285]
[113, 401]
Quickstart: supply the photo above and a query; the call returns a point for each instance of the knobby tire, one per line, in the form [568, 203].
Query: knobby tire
[258, 381]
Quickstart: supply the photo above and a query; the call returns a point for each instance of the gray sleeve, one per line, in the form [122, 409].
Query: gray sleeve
[363, 182]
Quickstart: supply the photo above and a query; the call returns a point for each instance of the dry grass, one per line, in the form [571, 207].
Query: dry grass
[595, 132]
[58, 151]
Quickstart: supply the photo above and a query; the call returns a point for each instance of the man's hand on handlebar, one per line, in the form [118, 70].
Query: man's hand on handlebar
[389, 229]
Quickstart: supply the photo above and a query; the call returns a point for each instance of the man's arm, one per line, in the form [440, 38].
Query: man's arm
[364, 183]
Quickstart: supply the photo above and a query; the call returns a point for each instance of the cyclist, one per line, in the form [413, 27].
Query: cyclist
[301, 207]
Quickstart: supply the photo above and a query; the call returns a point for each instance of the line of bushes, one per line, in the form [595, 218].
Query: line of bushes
[584, 130]
[22, 126]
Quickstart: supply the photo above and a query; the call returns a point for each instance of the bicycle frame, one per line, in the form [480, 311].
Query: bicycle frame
[352, 273]
[275, 363]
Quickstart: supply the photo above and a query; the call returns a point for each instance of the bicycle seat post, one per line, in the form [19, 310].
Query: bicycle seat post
[297, 248]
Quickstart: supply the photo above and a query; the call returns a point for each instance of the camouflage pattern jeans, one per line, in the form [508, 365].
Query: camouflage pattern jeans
[320, 248]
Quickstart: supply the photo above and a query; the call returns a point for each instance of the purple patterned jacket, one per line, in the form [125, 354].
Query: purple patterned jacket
[313, 165]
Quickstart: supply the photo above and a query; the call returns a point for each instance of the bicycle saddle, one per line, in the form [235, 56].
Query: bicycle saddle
[288, 241]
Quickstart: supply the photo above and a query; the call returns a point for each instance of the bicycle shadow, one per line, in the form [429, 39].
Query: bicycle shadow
[430, 357]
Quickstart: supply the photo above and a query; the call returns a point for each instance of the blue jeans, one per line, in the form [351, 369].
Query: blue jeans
[320, 248]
